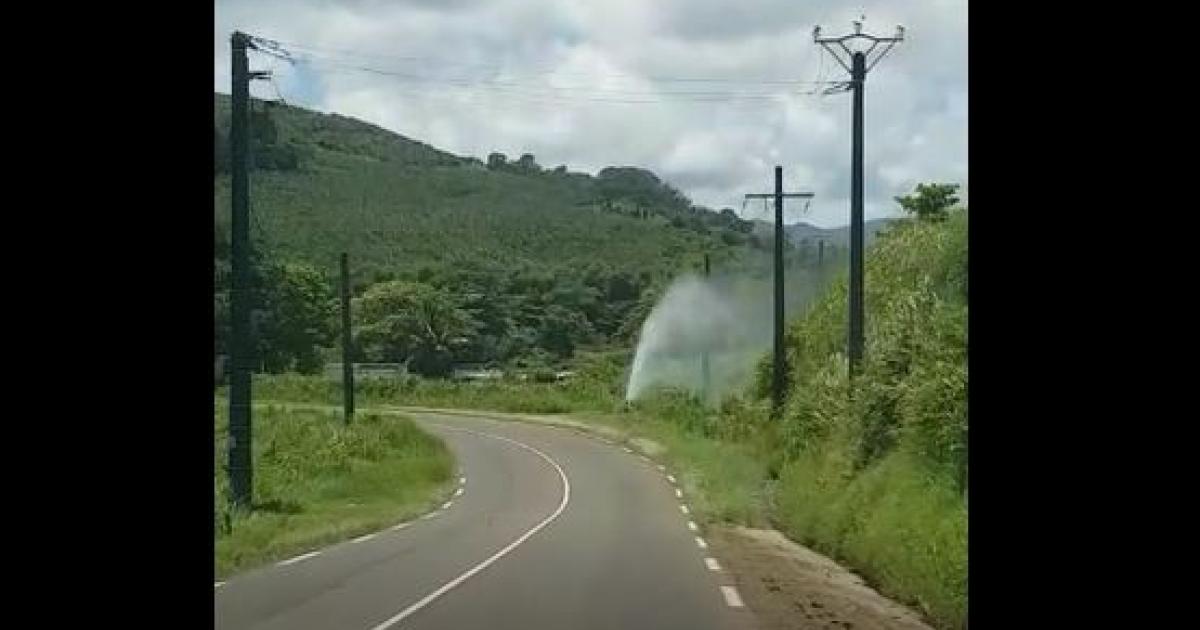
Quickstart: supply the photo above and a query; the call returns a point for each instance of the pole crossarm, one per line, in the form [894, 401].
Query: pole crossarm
[806, 195]
[829, 42]
[270, 47]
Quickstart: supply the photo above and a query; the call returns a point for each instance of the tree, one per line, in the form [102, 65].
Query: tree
[560, 328]
[496, 161]
[528, 164]
[930, 202]
[411, 322]
[298, 314]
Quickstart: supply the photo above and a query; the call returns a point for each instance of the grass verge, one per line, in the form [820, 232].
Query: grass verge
[317, 482]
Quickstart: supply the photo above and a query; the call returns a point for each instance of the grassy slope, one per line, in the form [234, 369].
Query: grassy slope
[317, 482]
[878, 482]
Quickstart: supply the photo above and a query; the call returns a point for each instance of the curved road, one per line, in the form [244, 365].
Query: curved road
[551, 530]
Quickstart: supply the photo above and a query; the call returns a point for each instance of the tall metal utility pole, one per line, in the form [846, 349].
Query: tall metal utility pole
[779, 367]
[858, 67]
[241, 347]
[347, 340]
[704, 371]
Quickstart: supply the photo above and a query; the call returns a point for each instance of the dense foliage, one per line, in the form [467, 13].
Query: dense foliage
[520, 264]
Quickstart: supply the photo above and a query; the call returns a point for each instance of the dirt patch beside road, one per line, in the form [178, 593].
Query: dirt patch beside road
[791, 587]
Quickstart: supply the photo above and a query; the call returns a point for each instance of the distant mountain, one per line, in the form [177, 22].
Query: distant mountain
[800, 232]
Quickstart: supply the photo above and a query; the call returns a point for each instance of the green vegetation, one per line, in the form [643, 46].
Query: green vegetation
[876, 480]
[537, 261]
[930, 202]
[598, 385]
[506, 264]
[317, 482]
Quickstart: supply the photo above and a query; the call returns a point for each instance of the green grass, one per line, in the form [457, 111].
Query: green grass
[493, 396]
[877, 479]
[723, 480]
[901, 527]
[317, 482]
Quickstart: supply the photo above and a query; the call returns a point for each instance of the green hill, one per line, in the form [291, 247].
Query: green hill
[516, 260]
[324, 183]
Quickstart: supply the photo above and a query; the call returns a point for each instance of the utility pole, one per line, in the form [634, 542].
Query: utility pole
[820, 252]
[858, 67]
[704, 371]
[347, 340]
[241, 343]
[779, 367]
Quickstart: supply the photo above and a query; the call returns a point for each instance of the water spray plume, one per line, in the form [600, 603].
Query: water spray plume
[727, 316]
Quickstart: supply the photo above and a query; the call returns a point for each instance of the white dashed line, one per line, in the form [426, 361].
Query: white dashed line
[299, 558]
[363, 538]
[712, 565]
[683, 508]
[731, 596]
[626, 449]
[700, 543]
[692, 525]
[218, 585]
[399, 526]
[670, 478]
[446, 505]
[678, 493]
[429, 515]
[566, 498]
[662, 468]
[458, 493]
[462, 481]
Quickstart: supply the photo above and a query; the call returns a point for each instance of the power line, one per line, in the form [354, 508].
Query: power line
[558, 94]
[472, 82]
[538, 91]
[324, 52]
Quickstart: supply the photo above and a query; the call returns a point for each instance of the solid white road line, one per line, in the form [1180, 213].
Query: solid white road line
[399, 526]
[458, 493]
[299, 558]
[363, 538]
[662, 468]
[712, 565]
[670, 478]
[683, 508]
[700, 543]
[218, 585]
[446, 505]
[462, 481]
[731, 597]
[566, 498]
[692, 526]
[678, 493]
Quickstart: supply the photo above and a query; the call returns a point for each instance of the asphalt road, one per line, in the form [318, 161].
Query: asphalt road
[551, 530]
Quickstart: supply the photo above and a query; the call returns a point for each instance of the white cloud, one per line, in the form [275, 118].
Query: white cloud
[556, 79]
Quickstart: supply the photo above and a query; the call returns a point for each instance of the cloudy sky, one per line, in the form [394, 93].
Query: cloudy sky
[709, 94]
